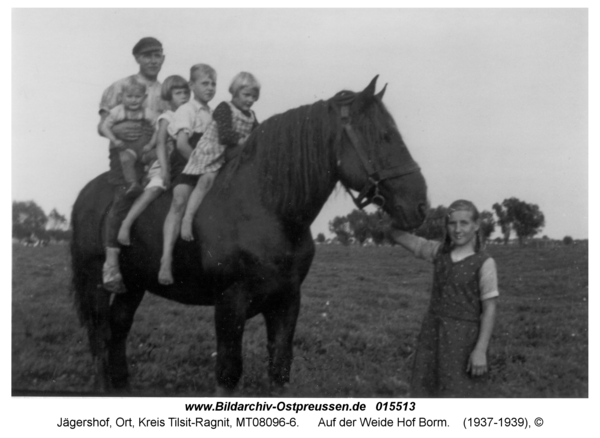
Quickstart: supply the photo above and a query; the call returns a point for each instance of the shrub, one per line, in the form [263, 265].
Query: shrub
[568, 240]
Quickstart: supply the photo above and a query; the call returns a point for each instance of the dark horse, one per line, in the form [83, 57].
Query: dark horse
[253, 246]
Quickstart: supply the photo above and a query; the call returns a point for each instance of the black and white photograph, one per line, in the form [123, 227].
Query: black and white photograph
[335, 203]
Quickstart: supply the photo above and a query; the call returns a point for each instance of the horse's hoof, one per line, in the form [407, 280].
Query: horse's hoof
[224, 392]
[280, 390]
[124, 389]
[120, 386]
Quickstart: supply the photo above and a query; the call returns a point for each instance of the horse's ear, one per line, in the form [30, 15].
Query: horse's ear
[365, 98]
[370, 90]
[381, 93]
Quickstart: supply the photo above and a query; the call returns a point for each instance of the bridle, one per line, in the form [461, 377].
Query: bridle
[370, 192]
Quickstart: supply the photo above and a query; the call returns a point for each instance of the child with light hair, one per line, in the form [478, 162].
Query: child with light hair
[176, 92]
[130, 109]
[232, 124]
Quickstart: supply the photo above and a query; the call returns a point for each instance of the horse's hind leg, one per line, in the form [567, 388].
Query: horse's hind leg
[122, 311]
[280, 318]
[92, 303]
[230, 320]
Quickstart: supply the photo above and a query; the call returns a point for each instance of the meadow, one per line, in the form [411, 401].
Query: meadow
[360, 316]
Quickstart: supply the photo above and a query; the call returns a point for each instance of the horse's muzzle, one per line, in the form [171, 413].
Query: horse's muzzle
[409, 218]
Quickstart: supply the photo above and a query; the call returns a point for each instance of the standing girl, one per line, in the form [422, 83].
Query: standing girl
[232, 124]
[452, 347]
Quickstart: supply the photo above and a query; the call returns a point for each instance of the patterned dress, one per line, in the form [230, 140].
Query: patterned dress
[229, 124]
[451, 325]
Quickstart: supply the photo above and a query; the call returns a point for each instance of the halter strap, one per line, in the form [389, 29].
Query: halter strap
[375, 176]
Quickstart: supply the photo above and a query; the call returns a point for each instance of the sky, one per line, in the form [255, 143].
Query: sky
[492, 103]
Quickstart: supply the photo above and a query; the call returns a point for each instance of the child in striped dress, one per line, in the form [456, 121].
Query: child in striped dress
[232, 124]
[451, 353]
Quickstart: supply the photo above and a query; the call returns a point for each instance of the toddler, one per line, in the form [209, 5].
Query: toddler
[131, 108]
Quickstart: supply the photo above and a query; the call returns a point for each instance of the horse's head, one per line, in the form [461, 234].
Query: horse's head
[374, 161]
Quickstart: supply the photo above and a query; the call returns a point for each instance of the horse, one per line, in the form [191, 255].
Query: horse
[252, 244]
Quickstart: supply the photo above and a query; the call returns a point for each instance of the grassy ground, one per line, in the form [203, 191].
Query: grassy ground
[361, 313]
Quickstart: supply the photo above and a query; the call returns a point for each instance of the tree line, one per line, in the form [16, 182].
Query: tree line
[512, 215]
[525, 219]
[29, 222]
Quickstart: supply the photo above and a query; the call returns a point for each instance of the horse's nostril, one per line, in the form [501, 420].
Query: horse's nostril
[423, 209]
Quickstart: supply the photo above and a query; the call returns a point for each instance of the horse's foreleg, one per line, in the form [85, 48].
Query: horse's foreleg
[230, 319]
[122, 310]
[280, 319]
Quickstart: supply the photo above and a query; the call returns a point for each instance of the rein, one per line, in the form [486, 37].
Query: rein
[370, 192]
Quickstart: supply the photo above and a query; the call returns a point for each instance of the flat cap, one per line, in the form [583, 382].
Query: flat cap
[147, 44]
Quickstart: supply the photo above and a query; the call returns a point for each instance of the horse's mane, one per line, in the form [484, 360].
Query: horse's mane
[295, 153]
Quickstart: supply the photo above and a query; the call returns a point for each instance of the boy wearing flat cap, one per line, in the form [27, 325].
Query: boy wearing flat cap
[148, 54]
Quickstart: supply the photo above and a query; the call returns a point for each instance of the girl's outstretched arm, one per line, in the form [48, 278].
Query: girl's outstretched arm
[477, 364]
[406, 239]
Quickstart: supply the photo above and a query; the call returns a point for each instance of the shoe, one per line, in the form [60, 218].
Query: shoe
[112, 281]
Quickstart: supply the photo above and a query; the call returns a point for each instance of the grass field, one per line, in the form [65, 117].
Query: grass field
[361, 313]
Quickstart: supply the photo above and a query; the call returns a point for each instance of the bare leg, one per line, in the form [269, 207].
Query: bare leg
[181, 193]
[137, 208]
[202, 187]
[128, 159]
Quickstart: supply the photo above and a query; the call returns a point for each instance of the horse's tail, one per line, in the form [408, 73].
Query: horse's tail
[87, 253]
[80, 279]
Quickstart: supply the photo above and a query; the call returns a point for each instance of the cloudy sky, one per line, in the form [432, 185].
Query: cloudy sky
[492, 103]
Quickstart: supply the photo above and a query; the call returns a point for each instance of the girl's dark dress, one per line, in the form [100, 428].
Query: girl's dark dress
[450, 330]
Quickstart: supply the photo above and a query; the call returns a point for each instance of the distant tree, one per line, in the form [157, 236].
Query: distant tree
[28, 218]
[528, 221]
[503, 220]
[433, 226]
[56, 221]
[320, 238]
[380, 227]
[341, 228]
[359, 225]
[568, 240]
[488, 224]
